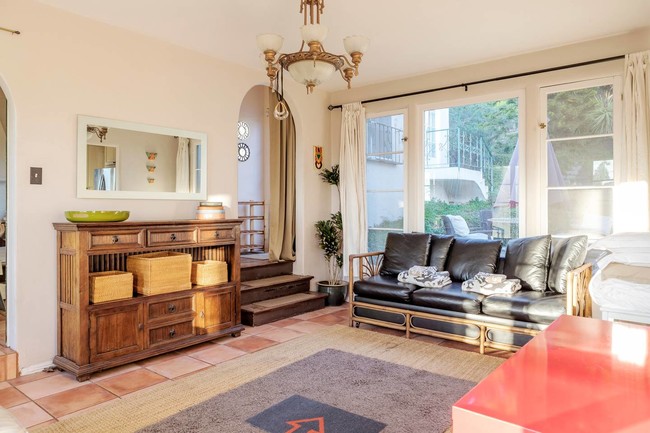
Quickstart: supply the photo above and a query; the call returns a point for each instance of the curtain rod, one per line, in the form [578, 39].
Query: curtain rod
[487, 80]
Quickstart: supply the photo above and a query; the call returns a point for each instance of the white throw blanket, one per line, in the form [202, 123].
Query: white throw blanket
[425, 276]
[492, 284]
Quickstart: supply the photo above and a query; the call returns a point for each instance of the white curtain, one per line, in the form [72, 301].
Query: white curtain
[352, 166]
[635, 164]
[183, 165]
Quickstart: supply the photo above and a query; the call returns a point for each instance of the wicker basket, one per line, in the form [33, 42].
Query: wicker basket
[110, 286]
[161, 272]
[208, 272]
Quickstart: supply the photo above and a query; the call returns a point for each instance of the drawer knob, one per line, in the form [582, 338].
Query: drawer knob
[172, 332]
[140, 326]
[216, 234]
[171, 308]
[173, 236]
[116, 239]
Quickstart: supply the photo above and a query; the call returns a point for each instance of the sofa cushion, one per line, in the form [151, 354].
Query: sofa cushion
[527, 259]
[467, 257]
[404, 250]
[566, 254]
[526, 305]
[384, 287]
[451, 298]
[439, 250]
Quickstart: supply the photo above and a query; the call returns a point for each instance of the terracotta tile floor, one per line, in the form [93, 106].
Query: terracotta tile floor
[42, 398]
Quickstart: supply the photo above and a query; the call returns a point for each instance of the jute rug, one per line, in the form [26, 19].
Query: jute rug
[289, 375]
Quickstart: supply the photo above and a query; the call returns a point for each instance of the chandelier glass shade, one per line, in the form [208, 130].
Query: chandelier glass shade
[312, 65]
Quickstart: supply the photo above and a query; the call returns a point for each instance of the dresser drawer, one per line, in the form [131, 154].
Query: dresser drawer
[211, 234]
[170, 308]
[167, 333]
[116, 239]
[172, 236]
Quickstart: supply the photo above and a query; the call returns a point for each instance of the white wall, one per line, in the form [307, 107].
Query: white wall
[63, 65]
[527, 88]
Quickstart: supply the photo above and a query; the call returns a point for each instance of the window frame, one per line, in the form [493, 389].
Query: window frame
[418, 147]
[617, 139]
[405, 157]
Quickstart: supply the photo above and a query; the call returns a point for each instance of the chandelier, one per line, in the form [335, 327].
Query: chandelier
[99, 131]
[312, 65]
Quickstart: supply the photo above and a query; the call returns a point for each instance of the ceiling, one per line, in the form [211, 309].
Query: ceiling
[407, 38]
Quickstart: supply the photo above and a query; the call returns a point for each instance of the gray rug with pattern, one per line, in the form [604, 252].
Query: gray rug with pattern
[331, 391]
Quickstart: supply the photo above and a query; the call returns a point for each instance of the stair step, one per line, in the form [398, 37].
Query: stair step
[273, 287]
[260, 313]
[254, 269]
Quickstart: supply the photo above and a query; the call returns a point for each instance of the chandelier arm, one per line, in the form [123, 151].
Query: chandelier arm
[346, 61]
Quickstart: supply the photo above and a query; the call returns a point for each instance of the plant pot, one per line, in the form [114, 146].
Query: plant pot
[335, 292]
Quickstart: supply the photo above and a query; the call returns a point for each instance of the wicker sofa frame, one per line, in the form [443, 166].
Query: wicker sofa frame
[362, 266]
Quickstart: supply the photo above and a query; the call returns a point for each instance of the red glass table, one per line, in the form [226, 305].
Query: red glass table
[578, 375]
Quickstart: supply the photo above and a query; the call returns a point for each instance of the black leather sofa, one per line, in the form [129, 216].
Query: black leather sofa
[553, 276]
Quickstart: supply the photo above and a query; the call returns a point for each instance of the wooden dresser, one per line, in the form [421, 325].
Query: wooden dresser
[94, 337]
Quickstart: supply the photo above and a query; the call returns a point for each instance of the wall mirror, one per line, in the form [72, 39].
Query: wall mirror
[118, 159]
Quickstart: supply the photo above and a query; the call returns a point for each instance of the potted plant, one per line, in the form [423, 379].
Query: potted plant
[330, 238]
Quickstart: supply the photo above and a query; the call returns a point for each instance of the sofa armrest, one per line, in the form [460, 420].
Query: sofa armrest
[365, 265]
[578, 300]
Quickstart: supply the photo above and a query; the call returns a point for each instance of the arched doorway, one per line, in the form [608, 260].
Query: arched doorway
[266, 177]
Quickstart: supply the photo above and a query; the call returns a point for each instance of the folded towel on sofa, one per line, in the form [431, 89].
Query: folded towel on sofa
[420, 271]
[484, 277]
[424, 276]
[491, 284]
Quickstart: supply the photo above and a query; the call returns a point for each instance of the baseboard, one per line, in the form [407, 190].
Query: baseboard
[36, 368]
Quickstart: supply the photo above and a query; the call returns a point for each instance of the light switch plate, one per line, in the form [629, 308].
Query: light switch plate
[36, 175]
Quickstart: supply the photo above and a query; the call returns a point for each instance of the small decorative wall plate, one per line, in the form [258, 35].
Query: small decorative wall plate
[151, 179]
[242, 130]
[243, 152]
[151, 155]
[151, 168]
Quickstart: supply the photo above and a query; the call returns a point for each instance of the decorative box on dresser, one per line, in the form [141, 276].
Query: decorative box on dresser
[94, 337]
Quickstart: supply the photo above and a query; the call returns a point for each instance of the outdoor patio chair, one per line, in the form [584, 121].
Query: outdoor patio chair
[457, 226]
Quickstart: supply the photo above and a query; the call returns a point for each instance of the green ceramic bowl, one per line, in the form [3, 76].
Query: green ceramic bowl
[96, 216]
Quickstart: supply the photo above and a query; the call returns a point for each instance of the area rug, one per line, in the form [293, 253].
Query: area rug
[359, 366]
[330, 391]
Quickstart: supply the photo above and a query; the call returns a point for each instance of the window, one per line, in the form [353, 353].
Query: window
[384, 177]
[471, 169]
[579, 144]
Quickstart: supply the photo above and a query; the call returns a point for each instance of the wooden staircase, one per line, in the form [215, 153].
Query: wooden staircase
[270, 292]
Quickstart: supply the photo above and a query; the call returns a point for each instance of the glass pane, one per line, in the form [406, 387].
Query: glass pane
[580, 112]
[384, 178]
[385, 214]
[581, 162]
[471, 168]
[581, 211]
